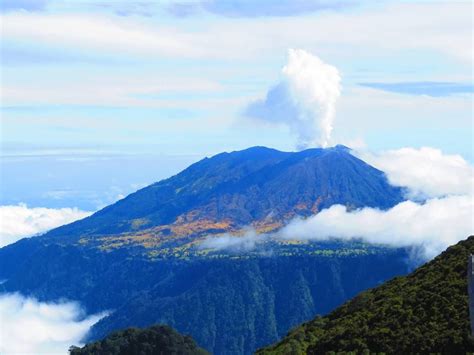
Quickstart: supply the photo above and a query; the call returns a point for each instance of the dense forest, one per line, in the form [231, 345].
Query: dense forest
[424, 312]
[156, 340]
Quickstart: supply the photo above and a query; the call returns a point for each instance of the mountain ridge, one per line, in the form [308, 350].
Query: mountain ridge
[424, 312]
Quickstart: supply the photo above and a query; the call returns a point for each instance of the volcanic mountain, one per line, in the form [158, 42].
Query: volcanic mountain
[140, 257]
[259, 187]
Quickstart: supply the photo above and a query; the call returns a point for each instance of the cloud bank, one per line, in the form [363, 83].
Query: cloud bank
[20, 221]
[304, 100]
[426, 172]
[431, 227]
[32, 327]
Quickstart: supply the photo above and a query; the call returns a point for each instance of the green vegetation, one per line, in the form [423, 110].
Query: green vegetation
[424, 312]
[156, 340]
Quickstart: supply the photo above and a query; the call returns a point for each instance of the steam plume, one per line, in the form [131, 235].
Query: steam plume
[304, 100]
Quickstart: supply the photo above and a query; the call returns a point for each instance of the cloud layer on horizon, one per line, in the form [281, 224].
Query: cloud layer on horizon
[19, 221]
[32, 327]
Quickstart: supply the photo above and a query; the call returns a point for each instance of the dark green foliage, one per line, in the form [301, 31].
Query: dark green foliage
[424, 312]
[228, 305]
[155, 340]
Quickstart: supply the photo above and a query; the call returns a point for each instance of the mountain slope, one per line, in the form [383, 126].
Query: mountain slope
[424, 312]
[234, 306]
[157, 339]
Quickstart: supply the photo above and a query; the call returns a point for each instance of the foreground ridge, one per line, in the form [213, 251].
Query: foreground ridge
[424, 312]
[157, 339]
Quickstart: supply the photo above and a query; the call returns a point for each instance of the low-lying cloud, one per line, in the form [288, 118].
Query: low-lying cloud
[425, 172]
[242, 243]
[32, 327]
[304, 100]
[19, 221]
[430, 227]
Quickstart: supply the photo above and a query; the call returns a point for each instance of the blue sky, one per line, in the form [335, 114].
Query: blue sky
[145, 83]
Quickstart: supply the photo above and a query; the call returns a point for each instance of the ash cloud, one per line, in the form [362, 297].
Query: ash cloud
[304, 100]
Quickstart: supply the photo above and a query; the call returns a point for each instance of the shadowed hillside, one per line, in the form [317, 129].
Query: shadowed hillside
[424, 312]
[156, 340]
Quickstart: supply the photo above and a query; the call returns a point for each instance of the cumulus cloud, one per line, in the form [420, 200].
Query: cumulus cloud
[431, 227]
[32, 327]
[19, 221]
[304, 100]
[425, 172]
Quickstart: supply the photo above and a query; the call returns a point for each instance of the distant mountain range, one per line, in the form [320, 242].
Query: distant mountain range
[425, 312]
[140, 257]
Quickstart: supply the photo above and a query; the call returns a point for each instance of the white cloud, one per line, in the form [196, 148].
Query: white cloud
[305, 100]
[19, 221]
[32, 327]
[103, 90]
[96, 32]
[432, 226]
[426, 172]
[422, 28]
[235, 243]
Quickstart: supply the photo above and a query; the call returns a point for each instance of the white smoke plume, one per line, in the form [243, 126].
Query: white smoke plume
[32, 327]
[19, 221]
[304, 100]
